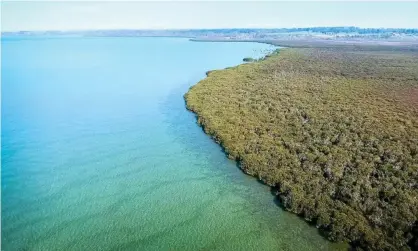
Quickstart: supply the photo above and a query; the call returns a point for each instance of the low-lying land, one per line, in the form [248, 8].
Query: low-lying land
[324, 33]
[362, 44]
[333, 129]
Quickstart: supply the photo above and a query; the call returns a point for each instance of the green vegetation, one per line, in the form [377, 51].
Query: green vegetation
[248, 60]
[333, 130]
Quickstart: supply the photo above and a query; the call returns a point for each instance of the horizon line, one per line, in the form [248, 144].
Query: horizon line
[207, 28]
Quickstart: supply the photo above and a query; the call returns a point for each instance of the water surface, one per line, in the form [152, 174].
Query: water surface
[99, 152]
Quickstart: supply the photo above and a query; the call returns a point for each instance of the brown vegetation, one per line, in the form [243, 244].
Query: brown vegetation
[329, 128]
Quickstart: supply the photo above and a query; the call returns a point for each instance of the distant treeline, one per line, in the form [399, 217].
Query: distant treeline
[342, 29]
[225, 32]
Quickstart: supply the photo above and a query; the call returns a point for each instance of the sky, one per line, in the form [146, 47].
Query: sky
[88, 15]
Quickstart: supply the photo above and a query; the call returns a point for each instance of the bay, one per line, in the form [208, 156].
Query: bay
[99, 152]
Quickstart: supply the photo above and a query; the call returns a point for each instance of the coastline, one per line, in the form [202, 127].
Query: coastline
[203, 120]
[359, 44]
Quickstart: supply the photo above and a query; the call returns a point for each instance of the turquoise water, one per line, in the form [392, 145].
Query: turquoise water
[99, 152]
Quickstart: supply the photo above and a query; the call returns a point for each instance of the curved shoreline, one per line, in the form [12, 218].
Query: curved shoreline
[205, 119]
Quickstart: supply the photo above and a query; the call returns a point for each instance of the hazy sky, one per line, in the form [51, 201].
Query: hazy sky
[70, 15]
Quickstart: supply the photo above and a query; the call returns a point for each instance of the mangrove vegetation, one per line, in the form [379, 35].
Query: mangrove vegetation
[333, 130]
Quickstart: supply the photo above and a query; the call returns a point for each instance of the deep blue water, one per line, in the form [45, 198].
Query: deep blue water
[99, 152]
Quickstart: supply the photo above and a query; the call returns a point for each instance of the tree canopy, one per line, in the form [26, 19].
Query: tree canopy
[335, 131]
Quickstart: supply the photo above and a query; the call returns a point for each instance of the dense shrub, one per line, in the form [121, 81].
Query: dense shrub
[332, 130]
[248, 60]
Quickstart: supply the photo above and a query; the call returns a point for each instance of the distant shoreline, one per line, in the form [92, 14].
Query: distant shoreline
[300, 37]
[307, 37]
[289, 42]
[321, 43]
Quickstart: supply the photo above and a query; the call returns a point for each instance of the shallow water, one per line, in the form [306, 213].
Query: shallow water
[99, 152]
